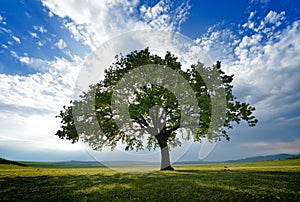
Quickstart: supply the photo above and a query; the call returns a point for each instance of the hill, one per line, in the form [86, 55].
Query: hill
[250, 159]
[295, 157]
[8, 162]
[264, 158]
[64, 164]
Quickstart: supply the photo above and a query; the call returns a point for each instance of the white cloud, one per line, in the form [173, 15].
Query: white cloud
[93, 22]
[16, 39]
[34, 35]
[30, 103]
[40, 28]
[218, 43]
[2, 20]
[61, 44]
[269, 74]
[159, 15]
[33, 63]
[291, 147]
[8, 31]
[274, 17]
[49, 90]
[24, 60]
[271, 22]
[252, 13]
[50, 14]
[265, 63]
[249, 24]
[156, 10]
[36, 63]
[40, 43]
[262, 2]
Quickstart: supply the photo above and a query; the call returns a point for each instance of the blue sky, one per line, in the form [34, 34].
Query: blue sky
[43, 43]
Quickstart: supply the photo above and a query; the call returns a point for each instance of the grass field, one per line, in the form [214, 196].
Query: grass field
[260, 181]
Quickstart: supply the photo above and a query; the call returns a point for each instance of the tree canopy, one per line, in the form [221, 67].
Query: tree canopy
[155, 112]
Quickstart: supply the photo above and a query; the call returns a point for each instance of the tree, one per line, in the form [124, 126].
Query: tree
[155, 112]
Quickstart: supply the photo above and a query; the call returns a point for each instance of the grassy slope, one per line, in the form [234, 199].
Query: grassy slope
[8, 162]
[67, 164]
[295, 157]
[260, 181]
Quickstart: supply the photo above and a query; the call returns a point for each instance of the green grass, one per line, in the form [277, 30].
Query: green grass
[295, 157]
[260, 181]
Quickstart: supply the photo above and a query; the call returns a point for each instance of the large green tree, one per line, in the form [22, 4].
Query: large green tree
[154, 111]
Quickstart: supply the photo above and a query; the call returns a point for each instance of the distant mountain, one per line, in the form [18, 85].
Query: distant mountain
[250, 159]
[264, 158]
[5, 161]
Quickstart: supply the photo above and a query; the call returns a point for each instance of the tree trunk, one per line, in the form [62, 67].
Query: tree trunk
[164, 150]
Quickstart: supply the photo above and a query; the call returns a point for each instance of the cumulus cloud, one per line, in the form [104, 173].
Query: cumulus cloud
[268, 25]
[265, 62]
[268, 70]
[93, 22]
[61, 44]
[161, 15]
[264, 56]
[259, 3]
[32, 63]
[49, 90]
[30, 103]
[40, 28]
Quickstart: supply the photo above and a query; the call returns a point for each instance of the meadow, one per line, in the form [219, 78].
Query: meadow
[259, 181]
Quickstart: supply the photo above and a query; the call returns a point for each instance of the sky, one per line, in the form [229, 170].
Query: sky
[44, 43]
